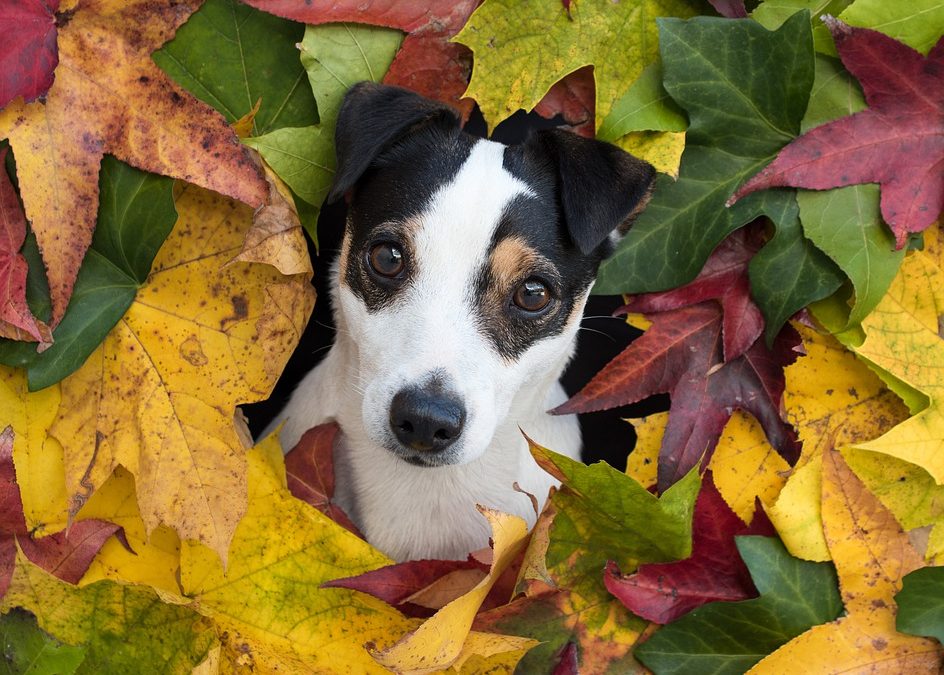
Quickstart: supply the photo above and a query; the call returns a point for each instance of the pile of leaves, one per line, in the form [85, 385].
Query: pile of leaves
[163, 160]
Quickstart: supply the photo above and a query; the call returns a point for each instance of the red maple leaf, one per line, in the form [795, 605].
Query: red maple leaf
[28, 54]
[309, 472]
[681, 354]
[66, 554]
[897, 142]
[574, 99]
[723, 278]
[731, 9]
[15, 315]
[427, 62]
[665, 591]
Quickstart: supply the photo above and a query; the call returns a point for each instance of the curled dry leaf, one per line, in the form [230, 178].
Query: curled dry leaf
[200, 338]
[109, 96]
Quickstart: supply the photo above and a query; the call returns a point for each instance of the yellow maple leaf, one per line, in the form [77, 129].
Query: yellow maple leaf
[270, 592]
[871, 555]
[159, 395]
[832, 399]
[643, 462]
[445, 640]
[902, 337]
[109, 96]
[662, 149]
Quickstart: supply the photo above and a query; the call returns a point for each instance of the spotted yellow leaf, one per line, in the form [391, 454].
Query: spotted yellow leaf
[159, 395]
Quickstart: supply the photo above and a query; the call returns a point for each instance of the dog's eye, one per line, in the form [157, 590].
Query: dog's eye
[386, 259]
[532, 295]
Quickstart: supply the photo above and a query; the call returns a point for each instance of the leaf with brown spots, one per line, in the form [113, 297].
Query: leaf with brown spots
[110, 97]
[158, 396]
[872, 554]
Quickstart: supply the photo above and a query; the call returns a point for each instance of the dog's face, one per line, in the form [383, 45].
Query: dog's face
[465, 267]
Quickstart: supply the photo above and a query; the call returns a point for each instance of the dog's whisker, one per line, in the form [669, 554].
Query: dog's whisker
[599, 332]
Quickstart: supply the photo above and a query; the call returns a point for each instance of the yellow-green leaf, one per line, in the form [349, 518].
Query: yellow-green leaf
[522, 47]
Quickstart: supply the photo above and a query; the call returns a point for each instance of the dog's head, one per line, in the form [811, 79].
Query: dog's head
[465, 266]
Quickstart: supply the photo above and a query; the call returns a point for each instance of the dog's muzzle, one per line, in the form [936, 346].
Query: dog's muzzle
[426, 420]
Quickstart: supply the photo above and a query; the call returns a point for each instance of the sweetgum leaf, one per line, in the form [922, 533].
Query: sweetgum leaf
[27, 650]
[28, 52]
[136, 213]
[921, 603]
[730, 637]
[719, 71]
[230, 55]
[681, 354]
[663, 592]
[897, 142]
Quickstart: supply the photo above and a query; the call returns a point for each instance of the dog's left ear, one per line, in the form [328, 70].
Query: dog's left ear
[600, 185]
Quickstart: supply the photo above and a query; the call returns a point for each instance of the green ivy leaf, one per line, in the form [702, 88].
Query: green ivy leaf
[921, 603]
[730, 637]
[772, 13]
[230, 55]
[26, 650]
[720, 71]
[335, 56]
[136, 213]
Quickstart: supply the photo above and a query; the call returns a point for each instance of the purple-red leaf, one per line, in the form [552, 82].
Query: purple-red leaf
[427, 62]
[723, 278]
[574, 99]
[395, 584]
[567, 660]
[898, 142]
[309, 472]
[16, 320]
[28, 52]
[732, 9]
[66, 554]
[681, 354]
[665, 591]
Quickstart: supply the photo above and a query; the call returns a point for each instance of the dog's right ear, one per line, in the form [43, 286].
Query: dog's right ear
[372, 117]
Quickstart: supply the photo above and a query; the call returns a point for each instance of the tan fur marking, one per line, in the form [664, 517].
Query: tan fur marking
[510, 260]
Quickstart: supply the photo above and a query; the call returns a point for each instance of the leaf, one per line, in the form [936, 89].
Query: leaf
[179, 361]
[309, 469]
[644, 107]
[723, 278]
[230, 56]
[732, 9]
[895, 143]
[66, 554]
[603, 514]
[737, 124]
[916, 23]
[335, 57]
[832, 399]
[440, 641]
[428, 63]
[124, 628]
[921, 603]
[723, 637]
[714, 571]
[29, 55]
[110, 97]
[681, 355]
[906, 322]
[27, 650]
[574, 99]
[772, 13]
[136, 213]
[871, 554]
[662, 149]
[270, 593]
[15, 315]
[522, 48]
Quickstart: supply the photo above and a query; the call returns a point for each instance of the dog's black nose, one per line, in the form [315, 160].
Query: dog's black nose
[426, 419]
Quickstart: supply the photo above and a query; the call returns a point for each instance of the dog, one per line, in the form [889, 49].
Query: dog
[458, 292]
